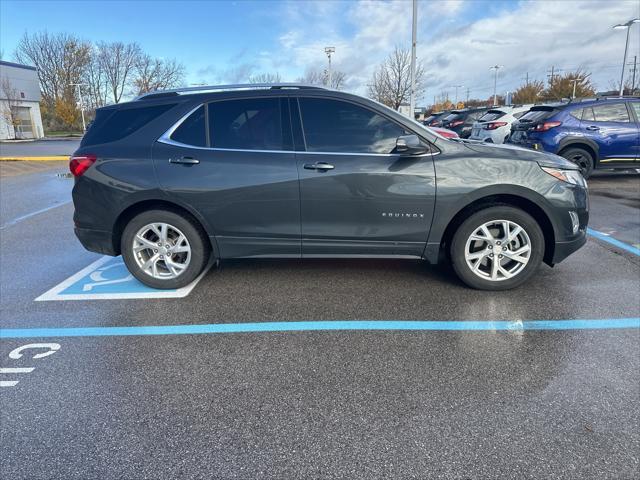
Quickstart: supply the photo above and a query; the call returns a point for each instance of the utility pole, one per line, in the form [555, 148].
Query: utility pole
[467, 97]
[80, 102]
[551, 76]
[414, 28]
[456, 97]
[329, 51]
[527, 80]
[495, 82]
[633, 78]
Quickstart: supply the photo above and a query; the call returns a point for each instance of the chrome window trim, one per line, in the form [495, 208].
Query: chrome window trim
[167, 140]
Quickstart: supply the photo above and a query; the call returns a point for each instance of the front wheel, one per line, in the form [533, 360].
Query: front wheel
[497, 248]
[164, 249]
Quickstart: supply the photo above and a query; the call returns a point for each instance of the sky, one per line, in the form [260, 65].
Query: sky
[458, 40]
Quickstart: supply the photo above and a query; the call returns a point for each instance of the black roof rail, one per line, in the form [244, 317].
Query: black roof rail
[224, 88]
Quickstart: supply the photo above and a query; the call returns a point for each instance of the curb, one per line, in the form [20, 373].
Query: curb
[50, 158]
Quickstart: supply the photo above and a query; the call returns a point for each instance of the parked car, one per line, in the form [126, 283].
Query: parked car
[461, 121]
[444, 132]
[593, 134]
[177, 178]
[435, 119]
[495, 125]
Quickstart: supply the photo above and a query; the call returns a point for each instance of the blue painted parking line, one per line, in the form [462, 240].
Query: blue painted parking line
[617, 243]
[212, 328]
[107, 279]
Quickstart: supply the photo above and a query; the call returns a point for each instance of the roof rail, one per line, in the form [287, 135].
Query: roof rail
[223, 88]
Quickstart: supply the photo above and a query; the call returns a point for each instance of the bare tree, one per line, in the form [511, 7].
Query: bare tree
[11, 102]
[96, 81]
[313, 76]
[391, 82]
[265, 78]
[118, 61]
[60, 60]
[157, 74]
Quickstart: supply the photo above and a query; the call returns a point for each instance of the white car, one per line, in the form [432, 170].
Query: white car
[495, 125]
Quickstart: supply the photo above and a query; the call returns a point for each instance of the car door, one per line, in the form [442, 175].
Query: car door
[239, 174]
[610, 125]
[357, 196]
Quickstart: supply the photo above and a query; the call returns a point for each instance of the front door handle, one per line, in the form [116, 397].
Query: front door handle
[185, 160]
[322, 166]
[593, 127]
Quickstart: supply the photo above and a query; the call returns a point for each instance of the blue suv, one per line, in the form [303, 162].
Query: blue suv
[600, 133]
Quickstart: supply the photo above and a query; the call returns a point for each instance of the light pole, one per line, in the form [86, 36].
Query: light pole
[575, 81]
[495, 82]
[456, 97]
[622, 26]
[329, 51]
[81, 103]
[414, 28]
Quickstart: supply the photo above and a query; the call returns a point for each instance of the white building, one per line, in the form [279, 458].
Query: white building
[19, 102]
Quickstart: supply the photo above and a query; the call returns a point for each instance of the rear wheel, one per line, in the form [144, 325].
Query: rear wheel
[580, 157]
[163, 249]
[497, 248]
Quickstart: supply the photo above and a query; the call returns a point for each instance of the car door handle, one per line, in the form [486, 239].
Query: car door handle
[322, 166]
[593, 127]
[185, 160]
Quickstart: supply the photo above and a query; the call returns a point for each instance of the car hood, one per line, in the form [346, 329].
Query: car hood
[518, 153]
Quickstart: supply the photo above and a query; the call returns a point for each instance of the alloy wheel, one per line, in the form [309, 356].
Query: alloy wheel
[498, 250]
[161, 250]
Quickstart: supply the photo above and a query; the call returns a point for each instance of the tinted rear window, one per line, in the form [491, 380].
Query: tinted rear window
[192, 130]
[491, 115]
[453, 116]
[536, 114]
[248, 124]
[111, 125]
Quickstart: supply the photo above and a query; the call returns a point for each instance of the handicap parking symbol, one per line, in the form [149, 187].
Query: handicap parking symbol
[108, 278]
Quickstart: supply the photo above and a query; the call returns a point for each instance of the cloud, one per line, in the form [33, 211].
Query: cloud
[458, 40]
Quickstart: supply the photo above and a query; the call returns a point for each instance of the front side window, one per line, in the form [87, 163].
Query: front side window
[612, 112]
[337, 126]
[247, 124]
[192, 130]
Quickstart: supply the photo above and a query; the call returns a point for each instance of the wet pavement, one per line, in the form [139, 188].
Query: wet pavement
[354, 404]
[44, 147]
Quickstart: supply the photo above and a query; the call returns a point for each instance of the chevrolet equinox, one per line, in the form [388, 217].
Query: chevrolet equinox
[176, 178]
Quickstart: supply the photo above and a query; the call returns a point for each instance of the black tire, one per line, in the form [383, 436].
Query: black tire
[198, 242]
[474, 222]
[581, 157]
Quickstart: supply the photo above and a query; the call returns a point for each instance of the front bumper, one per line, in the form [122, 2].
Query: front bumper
[563, 249]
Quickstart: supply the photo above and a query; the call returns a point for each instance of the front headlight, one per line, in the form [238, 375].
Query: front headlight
[574, 177]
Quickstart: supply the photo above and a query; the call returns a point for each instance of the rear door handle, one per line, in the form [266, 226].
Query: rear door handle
[185, 160]
[593, 127]
[322, 166]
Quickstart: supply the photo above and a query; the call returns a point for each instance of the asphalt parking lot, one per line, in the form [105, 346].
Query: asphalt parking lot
[453, 402]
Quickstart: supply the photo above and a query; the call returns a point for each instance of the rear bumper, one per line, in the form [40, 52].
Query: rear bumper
[563, 249]
[98, 241]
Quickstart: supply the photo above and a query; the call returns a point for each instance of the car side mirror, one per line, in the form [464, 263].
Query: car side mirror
[410, 145]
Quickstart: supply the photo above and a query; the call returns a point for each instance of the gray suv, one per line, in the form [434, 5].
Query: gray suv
[177, 178]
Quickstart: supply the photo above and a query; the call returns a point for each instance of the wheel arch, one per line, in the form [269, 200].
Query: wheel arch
[580, 142]
[523, 203]
[156, 204]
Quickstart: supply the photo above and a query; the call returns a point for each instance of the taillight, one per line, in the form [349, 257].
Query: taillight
[80, 164]
[494, 125]
[456, 123]
[543, 127]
